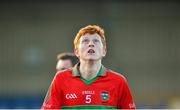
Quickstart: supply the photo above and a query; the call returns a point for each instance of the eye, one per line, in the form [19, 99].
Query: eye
[96, 40]
[62, 68]
[85, 41]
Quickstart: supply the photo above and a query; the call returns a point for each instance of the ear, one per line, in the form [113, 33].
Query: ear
[104, 52]
[76, 52]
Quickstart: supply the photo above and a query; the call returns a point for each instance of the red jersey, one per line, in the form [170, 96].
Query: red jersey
[107, 90]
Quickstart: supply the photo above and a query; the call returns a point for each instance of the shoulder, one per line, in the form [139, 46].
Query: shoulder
[116, 76]
[64, 73]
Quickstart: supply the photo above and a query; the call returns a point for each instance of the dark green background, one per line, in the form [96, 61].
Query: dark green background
[143, 40]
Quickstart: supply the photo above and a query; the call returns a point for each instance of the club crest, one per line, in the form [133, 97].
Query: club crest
[104, 96]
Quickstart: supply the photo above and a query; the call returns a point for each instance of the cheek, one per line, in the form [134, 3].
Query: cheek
[103, 52]
[68, 64]
[82, 48]
[80, 51]
[100, 49]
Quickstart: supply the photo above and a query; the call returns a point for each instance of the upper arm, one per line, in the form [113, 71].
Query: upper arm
[126, 99]
[53, 96]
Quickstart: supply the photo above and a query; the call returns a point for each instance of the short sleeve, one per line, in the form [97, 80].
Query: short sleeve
[53, 96]
[126, 99]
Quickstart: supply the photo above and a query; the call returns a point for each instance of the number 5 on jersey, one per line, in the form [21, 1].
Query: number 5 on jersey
[88, 99]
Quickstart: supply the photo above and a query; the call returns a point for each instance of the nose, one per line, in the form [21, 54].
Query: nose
[91, 44]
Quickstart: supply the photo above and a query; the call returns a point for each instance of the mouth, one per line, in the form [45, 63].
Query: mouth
[91, 51]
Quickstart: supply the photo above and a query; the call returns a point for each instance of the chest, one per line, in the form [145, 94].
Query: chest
[99, 92]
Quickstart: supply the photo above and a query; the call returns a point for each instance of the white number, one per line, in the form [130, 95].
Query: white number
[88, 99]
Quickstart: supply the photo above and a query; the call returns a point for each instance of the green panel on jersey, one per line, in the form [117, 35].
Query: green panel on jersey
[88, 82]
[89, 107]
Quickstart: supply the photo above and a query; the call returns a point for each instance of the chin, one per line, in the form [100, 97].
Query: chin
[92, 59]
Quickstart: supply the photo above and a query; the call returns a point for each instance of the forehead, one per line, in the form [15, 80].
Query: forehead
[62, 62]
[95, 35]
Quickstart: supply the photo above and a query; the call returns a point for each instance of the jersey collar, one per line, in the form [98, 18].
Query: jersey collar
[75, 71]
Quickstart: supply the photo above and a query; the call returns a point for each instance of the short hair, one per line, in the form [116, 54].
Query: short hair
[91, 29]
[66, 56]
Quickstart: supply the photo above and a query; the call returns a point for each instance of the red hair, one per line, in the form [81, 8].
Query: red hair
[90, 29]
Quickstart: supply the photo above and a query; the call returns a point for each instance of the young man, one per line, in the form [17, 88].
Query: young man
[65, 60]
[89, 84]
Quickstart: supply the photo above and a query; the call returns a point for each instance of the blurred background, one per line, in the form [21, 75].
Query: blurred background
[143, 41]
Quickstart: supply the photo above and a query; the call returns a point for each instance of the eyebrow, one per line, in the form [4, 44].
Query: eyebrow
[62, 68]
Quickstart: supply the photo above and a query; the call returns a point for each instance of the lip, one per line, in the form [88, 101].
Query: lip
[91, 51]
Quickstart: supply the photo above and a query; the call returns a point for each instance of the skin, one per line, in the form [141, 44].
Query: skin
[63, 64]
[90, 63]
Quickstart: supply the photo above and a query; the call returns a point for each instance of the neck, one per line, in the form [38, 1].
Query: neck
[89, 69]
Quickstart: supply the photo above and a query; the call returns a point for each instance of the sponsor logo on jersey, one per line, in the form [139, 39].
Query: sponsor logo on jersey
[88, 92]
[71, 96]
[104, 96]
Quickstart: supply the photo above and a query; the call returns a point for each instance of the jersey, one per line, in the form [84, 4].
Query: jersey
[107, 90]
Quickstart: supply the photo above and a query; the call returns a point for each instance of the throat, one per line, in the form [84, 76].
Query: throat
[89, 72]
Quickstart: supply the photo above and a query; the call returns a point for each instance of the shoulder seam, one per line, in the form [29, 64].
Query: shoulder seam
[118, 74]
[63, 71]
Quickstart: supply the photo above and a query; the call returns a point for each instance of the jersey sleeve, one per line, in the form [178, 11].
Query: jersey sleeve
[53, 96]
[126, 99]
